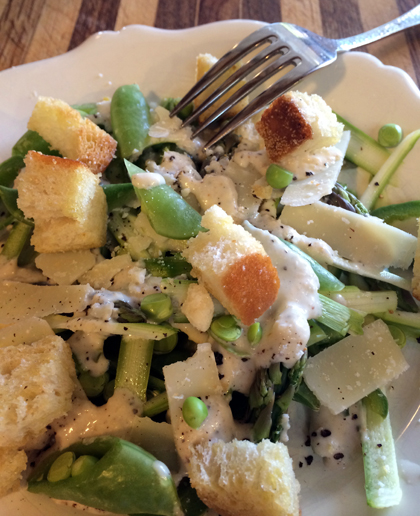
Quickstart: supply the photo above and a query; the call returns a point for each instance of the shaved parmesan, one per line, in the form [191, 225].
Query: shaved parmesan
[25, 332]
[65, 268]
[348, 371]
[21, 300]
[311, 189]
[362, 239]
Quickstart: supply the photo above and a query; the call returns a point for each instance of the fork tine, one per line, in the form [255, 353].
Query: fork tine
[241, 73]
[274, 91]
[279, 64]
[243, 48]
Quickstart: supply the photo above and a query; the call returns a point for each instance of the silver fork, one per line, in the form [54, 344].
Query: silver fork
[295, 46]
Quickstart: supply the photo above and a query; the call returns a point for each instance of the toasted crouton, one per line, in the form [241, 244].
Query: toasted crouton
[36, 386]
[241, 477]
[233, 266]
[204, 63]
[66, 202]
[298, 122]
[13, 462]
[73, 136]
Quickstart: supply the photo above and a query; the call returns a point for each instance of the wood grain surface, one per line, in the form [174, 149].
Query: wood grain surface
[37, 29]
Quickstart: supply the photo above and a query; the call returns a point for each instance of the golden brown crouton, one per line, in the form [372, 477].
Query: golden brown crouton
[66, 202]
[233, 266]
[36, 386]
[13, 462]
[75, 137]
[204, 63]
[298, 122]
[242, 478]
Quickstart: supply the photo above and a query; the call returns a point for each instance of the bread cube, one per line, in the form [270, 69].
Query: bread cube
[73, 136]
[66, 202]
[204, 63]
[241, 477]
[13, 462]
[36, 386]
[297, 123]
[233, 266]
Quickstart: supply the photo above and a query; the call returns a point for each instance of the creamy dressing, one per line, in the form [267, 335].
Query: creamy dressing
[87, 420]
[145, 181]
[169, 129]
[88, 349]
[235, 373]
[335, 437]
[307, 163]
[285, 327]
[219, 424]
[212, 189]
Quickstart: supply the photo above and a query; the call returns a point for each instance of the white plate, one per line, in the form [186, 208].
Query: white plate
[357, 86]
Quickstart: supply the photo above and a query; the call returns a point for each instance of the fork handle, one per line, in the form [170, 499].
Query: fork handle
[409, 19]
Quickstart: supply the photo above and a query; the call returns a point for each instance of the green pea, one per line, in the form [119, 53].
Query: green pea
[93, 385]
[390, 135]
[225, 328]
[61, 468]
[194, 412]
[157, 307]
[83, 464]
[278, 177]
[254, 334]
[398, 335]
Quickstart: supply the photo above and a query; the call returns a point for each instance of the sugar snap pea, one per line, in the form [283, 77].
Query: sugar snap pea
[31, 140]
[130, 119]
[9, 170]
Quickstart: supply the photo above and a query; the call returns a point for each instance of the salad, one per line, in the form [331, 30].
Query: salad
[150, 238]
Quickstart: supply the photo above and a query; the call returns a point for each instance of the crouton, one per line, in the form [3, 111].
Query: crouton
[198, 307]
[66, 202]
[36, 386]
[233, 266]
[73, 136]
[204, 63]
[13, 462]
[241, 477]
[298, 122]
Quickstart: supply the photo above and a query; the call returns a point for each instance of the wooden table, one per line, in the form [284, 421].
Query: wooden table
[37, 29]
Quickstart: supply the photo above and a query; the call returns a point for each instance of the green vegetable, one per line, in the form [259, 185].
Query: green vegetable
[317, 333]
[83, 464]
[382, 482]
[327, 281]
[118, 196]
[133, 369]
[168, 213]
[61, 468]
[254, 334]
[278, 177]
[377, 402]
[10, 169]
[165, 345]
[130, 119]
[90, 108]
[194, 412]
[340, 318]
[9, 197]
[16, 240]
[156, 405]
[125, 480]
[364, 151]
[306, 397]
[369, 302]
[156, 151]
[93, 385]
[31, 140]
[157, 307]
[167, 266]
[190, 503]
[170, 103]
[390, 135]
[403, 211]
[388, 169]
[225, 328]
[398, 335]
